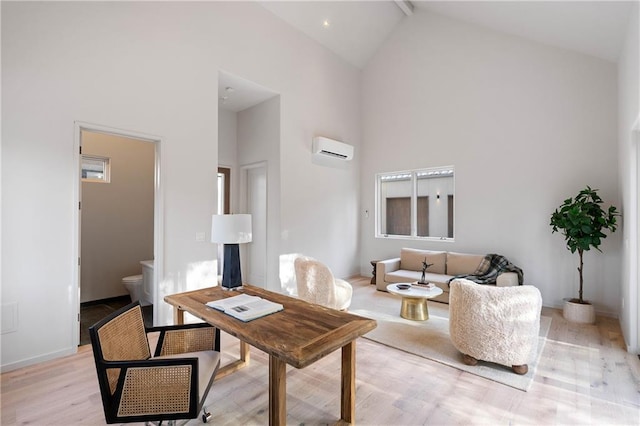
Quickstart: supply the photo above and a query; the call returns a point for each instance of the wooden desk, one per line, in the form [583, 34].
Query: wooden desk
[299, 335]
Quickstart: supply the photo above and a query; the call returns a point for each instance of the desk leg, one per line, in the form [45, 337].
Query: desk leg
[348, 404]
[225, 370]
[244, 352]
[178, 316]
[236, 365]
[277, 391]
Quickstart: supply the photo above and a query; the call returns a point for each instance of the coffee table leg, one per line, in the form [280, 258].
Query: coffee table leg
[414, 308]
[348, 391]
[277, 391]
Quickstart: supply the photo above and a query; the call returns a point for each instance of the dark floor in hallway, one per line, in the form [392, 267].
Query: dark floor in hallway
[92, 312]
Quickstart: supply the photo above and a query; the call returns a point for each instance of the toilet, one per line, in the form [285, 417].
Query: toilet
[133, 284]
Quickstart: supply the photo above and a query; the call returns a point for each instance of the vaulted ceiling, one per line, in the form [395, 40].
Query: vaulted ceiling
[355, 29]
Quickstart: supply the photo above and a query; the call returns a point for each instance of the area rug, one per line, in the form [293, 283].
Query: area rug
[430, 339]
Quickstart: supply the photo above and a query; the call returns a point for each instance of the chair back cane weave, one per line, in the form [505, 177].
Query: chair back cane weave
[124, 338]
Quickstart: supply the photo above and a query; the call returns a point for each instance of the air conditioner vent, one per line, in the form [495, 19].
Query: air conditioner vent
[333, 154]
[332, 148]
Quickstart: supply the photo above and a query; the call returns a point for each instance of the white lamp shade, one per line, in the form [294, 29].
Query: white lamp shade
[231, 228]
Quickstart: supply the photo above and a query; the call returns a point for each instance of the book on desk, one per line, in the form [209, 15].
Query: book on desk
[246, 307]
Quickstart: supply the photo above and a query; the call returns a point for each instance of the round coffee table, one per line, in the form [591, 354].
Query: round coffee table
[414, 300]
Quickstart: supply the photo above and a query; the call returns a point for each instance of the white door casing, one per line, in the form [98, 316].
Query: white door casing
[254, 186]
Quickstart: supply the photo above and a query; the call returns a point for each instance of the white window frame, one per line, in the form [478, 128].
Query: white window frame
[96, 159]
[413, 174]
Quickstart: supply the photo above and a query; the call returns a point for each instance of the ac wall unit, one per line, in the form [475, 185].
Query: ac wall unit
[331, 148]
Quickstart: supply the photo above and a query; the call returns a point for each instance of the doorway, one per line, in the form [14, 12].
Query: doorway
[248, 138]
[117, 220]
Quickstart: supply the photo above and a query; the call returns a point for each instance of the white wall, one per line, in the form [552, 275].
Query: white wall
[227, 138]
[320, 198]
[227, 157]
[629, 113]
[525, 126]
[152, 68]
[117, 217]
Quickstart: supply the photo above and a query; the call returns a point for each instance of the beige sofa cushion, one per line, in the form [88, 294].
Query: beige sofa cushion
[412, 259]
[460, 263]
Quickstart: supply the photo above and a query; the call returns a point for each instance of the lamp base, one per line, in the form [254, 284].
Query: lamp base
[232, 288]
[231, 274]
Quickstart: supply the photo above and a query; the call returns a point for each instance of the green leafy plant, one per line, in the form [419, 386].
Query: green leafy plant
[581, 220]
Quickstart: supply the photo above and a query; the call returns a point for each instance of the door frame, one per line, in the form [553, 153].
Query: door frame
[633, 305]
[244, 193]
[226, 209]
[158, 219]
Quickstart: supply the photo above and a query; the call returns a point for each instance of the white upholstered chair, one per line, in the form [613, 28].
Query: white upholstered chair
[495, 324]
[316, 284]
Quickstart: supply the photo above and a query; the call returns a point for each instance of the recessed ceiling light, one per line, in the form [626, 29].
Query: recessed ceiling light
[326, 23]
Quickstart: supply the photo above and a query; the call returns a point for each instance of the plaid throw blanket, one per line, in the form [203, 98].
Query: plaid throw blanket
[490, 267]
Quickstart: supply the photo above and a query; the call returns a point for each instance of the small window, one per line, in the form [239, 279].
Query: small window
[95, 169]
[415, 204]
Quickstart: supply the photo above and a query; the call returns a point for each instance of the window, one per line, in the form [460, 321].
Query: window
[95, 169]
[417, 204]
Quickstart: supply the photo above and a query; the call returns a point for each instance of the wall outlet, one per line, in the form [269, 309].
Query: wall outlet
[200, 236]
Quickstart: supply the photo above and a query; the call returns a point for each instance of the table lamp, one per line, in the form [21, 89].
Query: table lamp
[231, 230]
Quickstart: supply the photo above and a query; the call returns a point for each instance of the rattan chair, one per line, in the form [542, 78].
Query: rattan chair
[171, 385]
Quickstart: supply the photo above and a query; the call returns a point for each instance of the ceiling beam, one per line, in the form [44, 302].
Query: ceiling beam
[406, 6]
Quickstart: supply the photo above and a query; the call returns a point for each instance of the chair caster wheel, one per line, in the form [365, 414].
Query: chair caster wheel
[206, 417]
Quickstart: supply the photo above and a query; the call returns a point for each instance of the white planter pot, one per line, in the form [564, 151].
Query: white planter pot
[579, 312]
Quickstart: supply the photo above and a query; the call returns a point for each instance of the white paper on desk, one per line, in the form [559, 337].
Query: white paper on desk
[246, 307]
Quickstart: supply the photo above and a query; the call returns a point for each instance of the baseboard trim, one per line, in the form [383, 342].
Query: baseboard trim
[38, 359]
[107, 300]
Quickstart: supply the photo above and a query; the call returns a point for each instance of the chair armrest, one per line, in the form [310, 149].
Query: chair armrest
[344, 292]
[507, 279]
[343, 285]
[179, 339]
[383, 267]
[150, 363]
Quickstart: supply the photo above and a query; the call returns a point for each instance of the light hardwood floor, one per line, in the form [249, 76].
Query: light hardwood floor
[584, 377]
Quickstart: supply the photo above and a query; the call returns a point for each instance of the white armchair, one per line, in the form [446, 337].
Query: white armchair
[316, 284]
[495, 324]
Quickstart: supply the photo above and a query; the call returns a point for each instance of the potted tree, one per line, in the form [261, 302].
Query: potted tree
[581, 220]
